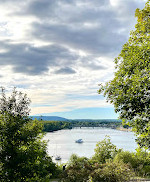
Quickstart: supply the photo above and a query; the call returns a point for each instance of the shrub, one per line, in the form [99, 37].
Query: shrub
[127, 157]
[143, 158]
[139, 161]
[78, 169]
[112, 172]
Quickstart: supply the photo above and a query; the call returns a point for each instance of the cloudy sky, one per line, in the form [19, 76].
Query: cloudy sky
[58, 51]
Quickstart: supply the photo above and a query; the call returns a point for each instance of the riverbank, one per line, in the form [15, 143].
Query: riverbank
[124, 129]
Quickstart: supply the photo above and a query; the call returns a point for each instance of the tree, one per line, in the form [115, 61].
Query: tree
[17, 104]
[23, 155]
[129, 91]
[104, 150]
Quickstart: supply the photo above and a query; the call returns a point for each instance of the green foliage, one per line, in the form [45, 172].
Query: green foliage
[127, 157]
[17, 104]
[112, 172]
[58, 171]
[50, 126]
[143, 162]
[129, 90]
[96, 123]
[108, 164]
[78, 169]
[23, 154]
[139, 161]
[104, 150]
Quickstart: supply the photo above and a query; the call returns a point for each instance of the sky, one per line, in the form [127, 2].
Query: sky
[58, 51]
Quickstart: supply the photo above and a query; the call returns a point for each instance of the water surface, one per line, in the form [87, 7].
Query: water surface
[62, 142]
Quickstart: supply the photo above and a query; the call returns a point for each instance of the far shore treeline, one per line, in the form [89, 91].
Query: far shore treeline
[50, 126]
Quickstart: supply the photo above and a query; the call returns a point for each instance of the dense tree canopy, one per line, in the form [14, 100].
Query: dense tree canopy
[129, 91]
[23, 154]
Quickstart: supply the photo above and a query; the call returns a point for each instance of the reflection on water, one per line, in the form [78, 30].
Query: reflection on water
[63, 142]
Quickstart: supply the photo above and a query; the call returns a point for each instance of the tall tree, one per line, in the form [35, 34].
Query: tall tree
[129, 91]
[23, 155]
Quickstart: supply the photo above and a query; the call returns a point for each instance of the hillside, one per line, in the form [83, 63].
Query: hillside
[49, 118]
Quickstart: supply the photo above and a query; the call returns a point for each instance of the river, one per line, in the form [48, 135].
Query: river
[62, 142]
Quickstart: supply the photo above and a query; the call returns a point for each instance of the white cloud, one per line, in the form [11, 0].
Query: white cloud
[50, 49]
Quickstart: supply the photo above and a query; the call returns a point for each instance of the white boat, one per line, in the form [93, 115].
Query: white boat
[79, 141]
[58, 158]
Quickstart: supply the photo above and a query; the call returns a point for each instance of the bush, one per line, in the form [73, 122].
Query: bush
[143, 158]
[112, 172]
[127, 157]
[78, 169]
[139, 161]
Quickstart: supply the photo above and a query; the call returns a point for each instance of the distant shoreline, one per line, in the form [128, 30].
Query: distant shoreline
[124, 129]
